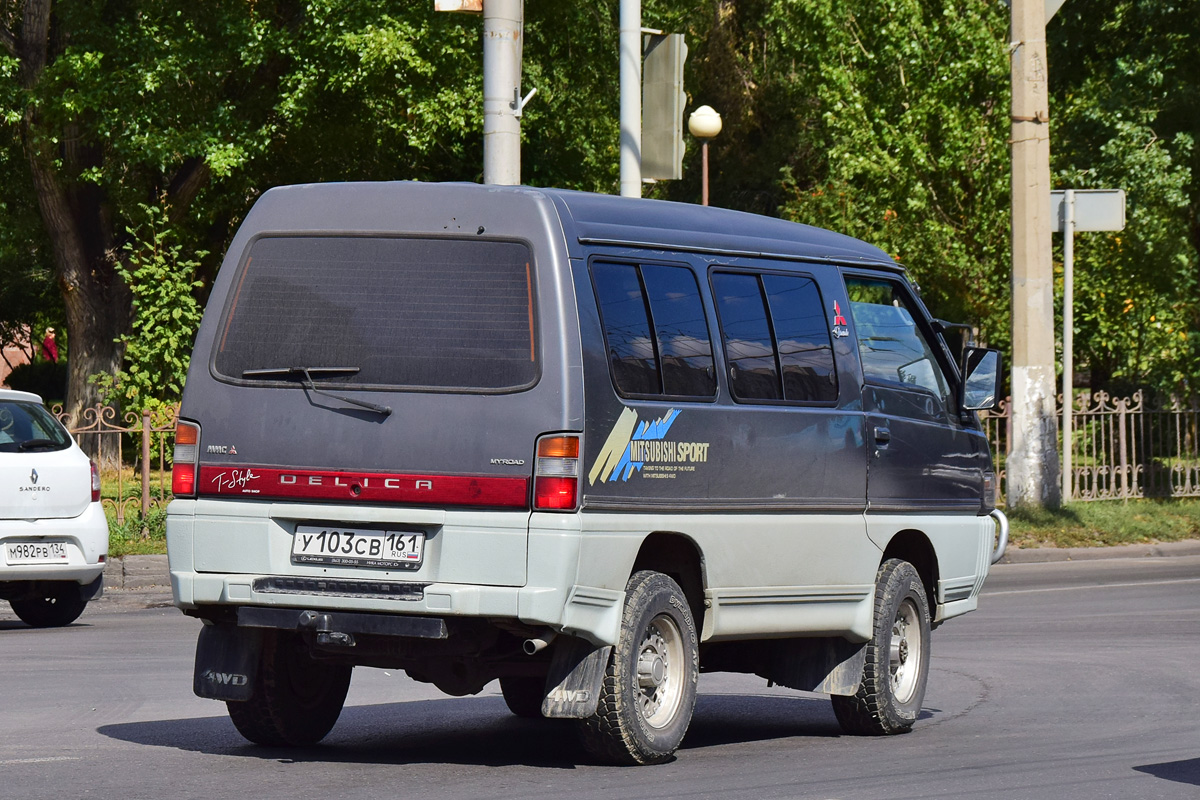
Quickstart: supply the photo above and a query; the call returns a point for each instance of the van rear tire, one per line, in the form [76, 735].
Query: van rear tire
[649, 689]
[897, 663]
[297, 699]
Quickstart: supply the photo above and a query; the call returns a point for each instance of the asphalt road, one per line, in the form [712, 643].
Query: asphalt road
[1073, 680]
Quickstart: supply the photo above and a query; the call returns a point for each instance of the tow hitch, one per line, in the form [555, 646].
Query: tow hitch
[322, 625]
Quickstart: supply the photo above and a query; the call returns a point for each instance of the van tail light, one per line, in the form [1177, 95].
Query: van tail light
[183, 461]
[556, 475]
[95, 483]
[989, 490]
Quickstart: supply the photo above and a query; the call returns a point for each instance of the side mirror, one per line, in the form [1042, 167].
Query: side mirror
[981, 385]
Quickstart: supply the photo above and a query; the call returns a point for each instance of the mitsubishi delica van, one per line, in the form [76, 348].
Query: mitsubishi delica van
[588, 446]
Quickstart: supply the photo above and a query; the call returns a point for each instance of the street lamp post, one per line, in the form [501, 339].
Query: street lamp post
[704, 124]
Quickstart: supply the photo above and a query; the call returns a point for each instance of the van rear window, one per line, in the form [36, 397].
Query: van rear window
[396, 312]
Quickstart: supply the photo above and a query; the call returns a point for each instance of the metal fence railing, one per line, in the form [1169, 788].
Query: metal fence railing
[109, 443]
[1121, 448]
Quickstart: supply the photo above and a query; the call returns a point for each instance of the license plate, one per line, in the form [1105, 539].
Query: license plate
[36, 552]
[358, 547]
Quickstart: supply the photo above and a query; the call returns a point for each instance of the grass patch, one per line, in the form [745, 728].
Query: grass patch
[1106, 523]
[137, 537]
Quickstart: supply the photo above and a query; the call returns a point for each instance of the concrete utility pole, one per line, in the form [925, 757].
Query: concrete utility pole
[631, 97]
[502, 42]
[1033, 458]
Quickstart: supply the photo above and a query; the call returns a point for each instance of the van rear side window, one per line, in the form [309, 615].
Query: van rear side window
[404, 312]
[657, 333]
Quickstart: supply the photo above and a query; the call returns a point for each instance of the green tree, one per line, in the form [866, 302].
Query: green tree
[1125, 80]
[28, 299]
[912, 100]
[166, 316]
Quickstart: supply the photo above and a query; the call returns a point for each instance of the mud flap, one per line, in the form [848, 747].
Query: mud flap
[576, 676]
[226, 662]
[829, 665]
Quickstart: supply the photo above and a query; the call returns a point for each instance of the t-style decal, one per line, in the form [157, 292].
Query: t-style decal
[645, 449]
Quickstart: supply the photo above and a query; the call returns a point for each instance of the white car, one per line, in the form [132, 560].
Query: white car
[52, 528]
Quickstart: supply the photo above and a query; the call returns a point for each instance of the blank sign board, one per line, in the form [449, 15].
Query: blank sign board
[1095, 210]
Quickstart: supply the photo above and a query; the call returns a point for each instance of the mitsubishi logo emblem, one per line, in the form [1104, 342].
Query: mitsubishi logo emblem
[33, 477]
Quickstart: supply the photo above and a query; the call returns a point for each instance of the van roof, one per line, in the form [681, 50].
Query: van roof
[587, 217]
[603, 218]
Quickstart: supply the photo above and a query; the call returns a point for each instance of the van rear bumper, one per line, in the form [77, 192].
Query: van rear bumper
[548, 593]
[571, 610]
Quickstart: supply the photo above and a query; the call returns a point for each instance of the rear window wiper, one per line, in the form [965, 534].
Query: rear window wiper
[306, 373]
[34, 444]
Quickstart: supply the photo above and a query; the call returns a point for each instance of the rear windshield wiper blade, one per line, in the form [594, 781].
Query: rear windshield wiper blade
[306, 374]
[34, 444]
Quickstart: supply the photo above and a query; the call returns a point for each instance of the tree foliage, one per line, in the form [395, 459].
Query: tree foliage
[912, 98]
[166, 317]
[1126, 81]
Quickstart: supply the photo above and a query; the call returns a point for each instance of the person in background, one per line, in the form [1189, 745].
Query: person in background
[50, 346]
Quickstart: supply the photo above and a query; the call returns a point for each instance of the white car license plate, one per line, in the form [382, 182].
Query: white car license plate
[358, 547]
[36, 552]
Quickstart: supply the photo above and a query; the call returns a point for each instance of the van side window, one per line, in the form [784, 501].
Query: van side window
[773, 325]
[631, 351]
[749, 346]
[658, 340]
[804, 344]
[684, 345]
[892, 346]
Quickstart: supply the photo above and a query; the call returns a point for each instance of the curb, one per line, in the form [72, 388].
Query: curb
[137, 572]
[1043, 555]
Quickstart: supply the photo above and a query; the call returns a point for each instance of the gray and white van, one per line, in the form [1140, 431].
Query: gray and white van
[586, 445]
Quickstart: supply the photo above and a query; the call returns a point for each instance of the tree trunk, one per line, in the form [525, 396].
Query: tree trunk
[97, 302]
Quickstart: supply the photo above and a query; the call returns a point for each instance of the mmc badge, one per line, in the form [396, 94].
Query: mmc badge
[644, 447]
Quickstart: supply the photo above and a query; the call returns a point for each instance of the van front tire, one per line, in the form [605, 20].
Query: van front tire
[649, 689]
[296, 701]
[897, 663]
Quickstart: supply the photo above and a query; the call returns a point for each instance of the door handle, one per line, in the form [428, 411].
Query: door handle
[882, 436]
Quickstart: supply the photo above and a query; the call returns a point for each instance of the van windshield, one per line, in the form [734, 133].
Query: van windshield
[434, 314]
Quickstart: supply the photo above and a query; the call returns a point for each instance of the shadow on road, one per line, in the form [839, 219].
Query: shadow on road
[17, 625]
[480, 731]
[1187, 771]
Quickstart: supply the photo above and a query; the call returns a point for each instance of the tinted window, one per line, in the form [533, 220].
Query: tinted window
[435, 313]
[631, 350]
[753, 373]
[805, 349]
[28, 427]
[684, 347]
[893, 347]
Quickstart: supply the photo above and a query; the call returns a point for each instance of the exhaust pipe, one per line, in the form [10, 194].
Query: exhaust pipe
[538, 644]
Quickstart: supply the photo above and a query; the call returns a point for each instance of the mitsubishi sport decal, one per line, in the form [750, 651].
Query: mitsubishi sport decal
[646, 449]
